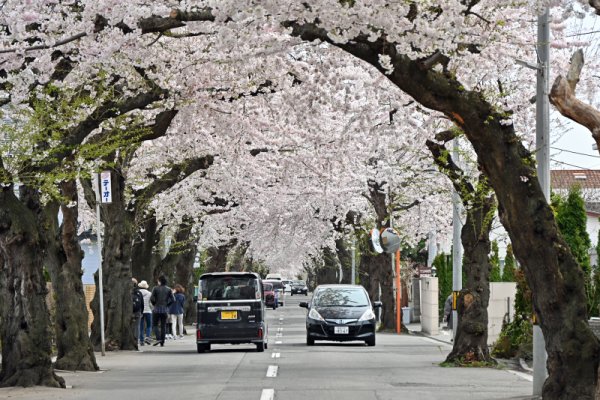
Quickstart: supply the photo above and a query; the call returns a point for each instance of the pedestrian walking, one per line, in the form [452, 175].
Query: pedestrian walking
[177, 309]
[161, 298]
[448, 312]
[146, 321]
[170, 334]
[138, 307]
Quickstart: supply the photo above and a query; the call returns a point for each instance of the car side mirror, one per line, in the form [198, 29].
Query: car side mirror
[303, 304]
[377, 304]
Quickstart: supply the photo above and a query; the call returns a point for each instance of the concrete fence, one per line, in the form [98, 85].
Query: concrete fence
[430, 319]
[502, 301]
[89, 291]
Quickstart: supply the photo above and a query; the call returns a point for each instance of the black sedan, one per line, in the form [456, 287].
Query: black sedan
[340, 313]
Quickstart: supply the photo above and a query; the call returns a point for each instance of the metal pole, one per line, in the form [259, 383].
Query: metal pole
[99, 242]
[353, 275]
[543, 170]
[398, 295]
[456, 242]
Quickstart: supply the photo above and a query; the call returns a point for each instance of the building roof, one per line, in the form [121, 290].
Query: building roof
[567, 178]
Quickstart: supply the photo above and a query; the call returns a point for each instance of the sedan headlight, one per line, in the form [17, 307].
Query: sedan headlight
[314, 314]
[367, 315]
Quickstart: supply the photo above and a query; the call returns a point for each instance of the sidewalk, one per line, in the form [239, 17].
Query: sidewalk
[445, 336]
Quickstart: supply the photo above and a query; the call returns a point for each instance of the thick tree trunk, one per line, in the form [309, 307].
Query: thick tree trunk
[25, 329]
[144, 254]
[552, 273]
[179, 266]
[75, 351]
[470, 342]
[217, 258]
[345, 258]
[116, 272]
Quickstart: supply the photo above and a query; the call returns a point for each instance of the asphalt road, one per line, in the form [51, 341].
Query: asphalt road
[399, 367]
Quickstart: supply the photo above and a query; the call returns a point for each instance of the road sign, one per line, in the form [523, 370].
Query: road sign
[105, 187]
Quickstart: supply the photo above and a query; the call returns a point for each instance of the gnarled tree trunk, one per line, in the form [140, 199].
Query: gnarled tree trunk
[144, 254]
[116, 272]
[25, 329]
[470, 342]
[75, 351]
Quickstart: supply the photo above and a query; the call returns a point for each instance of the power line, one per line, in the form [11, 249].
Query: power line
[576, 152]
[572, 165]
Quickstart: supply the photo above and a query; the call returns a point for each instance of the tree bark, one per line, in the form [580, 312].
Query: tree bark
[116, 272]
[75, 351]
[470, 341]
[562, 96]
[145, 256]
[25, 329]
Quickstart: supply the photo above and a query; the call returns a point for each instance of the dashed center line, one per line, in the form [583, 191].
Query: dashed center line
[267, 394]
[275, 355]
[278, 342]
[272, 371]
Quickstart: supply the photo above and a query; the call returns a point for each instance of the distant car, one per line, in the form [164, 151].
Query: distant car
[278, 287]
[274, 277]
[340, 313]
[287, 285]
[270, 295]
[299, 287]
[231, 310]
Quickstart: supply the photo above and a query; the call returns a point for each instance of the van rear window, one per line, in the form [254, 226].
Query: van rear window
[229, 288]
[276, 284]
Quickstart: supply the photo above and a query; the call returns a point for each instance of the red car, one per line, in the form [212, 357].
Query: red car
[269, 292]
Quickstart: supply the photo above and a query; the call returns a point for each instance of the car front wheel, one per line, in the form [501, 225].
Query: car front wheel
[370, 341]
[310, 341]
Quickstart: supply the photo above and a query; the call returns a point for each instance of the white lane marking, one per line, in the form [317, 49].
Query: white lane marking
[280, 329]
[267, 394]
[272, 371]
[281, 318]
[275, 355]
[522, 375]
[278, 342]
[278, 335]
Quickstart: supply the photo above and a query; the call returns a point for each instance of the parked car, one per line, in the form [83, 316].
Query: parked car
[340, 313]
[278, 287]
[230, 309]
[299, 287]
[287, 285]
[270, 295]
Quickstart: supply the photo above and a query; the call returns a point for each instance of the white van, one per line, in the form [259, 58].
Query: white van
[274, 277]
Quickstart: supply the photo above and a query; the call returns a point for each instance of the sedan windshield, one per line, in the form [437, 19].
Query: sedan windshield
[336, 297]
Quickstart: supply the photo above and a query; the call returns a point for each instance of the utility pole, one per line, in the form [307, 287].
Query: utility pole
[542, 144]
[96, 179]
[353, 275]
[456, 242]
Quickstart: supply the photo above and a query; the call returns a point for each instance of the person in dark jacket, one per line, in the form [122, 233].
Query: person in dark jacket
[138, 308]
[161, 299]
[176, 311]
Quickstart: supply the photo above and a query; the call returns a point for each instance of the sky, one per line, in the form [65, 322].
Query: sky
[573, 149]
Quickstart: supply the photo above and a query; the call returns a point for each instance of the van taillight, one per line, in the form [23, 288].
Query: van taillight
[260, 333]
[198, 334]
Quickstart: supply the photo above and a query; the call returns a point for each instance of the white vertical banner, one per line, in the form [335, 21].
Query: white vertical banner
[105, 187]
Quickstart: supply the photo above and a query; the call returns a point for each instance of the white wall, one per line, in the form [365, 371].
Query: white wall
[429, 306]
[499, 307]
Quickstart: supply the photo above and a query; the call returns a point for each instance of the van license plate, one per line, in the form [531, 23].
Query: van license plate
[229, 315]
[340, 330]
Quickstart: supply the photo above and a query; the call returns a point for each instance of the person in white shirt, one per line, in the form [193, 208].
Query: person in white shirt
[146, 321]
